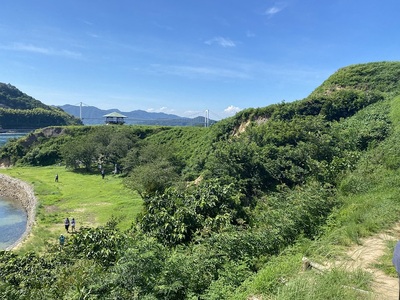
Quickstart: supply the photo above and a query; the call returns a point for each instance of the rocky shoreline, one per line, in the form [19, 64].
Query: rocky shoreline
[21, 192]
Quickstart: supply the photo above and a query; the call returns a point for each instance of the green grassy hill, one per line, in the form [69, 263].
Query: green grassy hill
[20, 111]
[226, 212]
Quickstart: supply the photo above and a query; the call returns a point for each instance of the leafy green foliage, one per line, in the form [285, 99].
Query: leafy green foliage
[101, 244]
[79, 152]
[238, 162]
[345, 103]
[376, 76]
[176, 216]
[20, 111]
[11, 97]
[138, 271]
[153, 168]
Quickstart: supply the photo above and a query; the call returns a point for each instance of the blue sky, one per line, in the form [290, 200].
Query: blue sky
[185, 56]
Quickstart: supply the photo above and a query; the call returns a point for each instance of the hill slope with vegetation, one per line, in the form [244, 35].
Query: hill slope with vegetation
[230, 210]
[20, 111]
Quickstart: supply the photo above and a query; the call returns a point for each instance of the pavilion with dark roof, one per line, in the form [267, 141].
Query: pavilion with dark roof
[115, 118]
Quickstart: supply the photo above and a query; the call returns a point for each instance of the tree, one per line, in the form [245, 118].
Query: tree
[153, 177]
[154, 169]
[175, 216]
[79, 151]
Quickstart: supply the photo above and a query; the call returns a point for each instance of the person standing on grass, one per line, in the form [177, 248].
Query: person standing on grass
[73, 225]
[103, 173]
[62, 241]
[66, 224]
[56, 179]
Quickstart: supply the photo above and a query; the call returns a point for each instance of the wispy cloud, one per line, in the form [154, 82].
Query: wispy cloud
[41, 50]
[163, 26]
[272, 11]
[87, 22]
[221, 41]
[277, 8]
[166, 110]
[231, 110]
[93, 35]
[250, 34]
[163, 109]
[199, 71]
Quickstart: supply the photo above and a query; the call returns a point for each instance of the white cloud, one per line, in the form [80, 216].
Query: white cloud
[272, 11]
[278, 7]
[221, 41]
[231, 110]
[163, 109]
[166, 110]
[41, 50]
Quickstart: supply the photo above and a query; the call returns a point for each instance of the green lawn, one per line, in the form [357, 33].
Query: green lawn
[88, 198]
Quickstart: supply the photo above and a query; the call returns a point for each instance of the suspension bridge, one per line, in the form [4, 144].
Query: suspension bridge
[91, 115]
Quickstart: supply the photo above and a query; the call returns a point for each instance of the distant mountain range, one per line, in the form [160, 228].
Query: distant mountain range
[92, 115]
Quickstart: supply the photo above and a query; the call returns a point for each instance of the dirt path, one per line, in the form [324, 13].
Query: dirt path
[365, 255]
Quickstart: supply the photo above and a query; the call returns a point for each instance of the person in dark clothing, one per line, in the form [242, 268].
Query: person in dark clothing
[66, 224]
[56, 179]
[103, 173]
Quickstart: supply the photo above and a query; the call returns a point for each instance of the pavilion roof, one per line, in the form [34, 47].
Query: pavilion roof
[114, 115]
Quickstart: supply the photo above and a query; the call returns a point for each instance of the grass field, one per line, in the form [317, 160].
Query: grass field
[88, 198]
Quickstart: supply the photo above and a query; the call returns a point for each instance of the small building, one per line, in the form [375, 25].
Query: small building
[115, 118]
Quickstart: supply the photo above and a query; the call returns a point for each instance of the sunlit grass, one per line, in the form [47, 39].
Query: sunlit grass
[88, 198]
[337, 284]
[384, 263]
[283, 278]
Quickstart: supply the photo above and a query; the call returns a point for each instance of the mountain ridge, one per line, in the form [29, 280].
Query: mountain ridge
[92, 115]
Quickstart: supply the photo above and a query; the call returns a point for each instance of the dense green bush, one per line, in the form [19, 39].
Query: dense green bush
[175, 216]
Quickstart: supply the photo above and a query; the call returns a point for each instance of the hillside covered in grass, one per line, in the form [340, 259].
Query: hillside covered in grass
[230, 210]
[20, 111]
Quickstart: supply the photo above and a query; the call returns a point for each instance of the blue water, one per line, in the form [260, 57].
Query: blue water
[13, 217]
[4, 137]
[13, 220]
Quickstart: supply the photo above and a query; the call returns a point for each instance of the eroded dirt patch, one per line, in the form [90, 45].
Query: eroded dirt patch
[365, 255]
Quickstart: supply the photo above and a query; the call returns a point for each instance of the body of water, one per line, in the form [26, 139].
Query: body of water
[13, 217]
[13, 220]
[4, 137]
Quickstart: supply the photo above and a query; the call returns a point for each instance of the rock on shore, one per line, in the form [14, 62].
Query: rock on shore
[20, 191]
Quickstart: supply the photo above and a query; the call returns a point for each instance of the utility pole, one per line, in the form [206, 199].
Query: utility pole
[80, 111]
